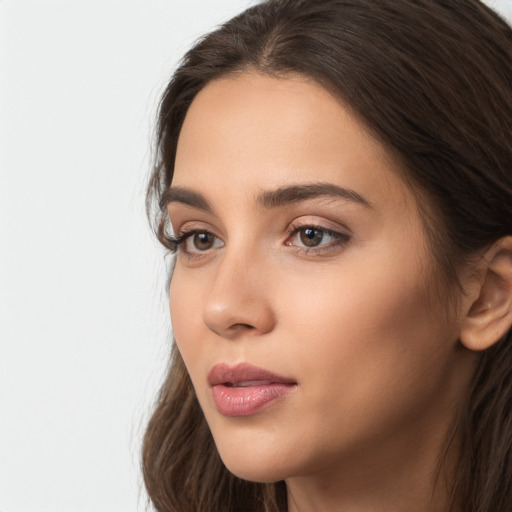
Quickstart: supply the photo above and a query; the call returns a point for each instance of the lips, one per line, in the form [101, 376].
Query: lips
[244, 390]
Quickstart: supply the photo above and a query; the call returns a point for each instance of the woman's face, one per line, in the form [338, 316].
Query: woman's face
[302, 299]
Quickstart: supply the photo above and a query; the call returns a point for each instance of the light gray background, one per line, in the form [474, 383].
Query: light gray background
[83, 315]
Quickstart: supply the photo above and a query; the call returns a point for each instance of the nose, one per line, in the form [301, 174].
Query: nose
[239, 301]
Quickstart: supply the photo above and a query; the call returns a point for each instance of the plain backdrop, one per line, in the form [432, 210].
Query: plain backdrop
[84, 329]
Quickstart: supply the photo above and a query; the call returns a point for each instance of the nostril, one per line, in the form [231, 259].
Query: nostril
[241, 328]
[246, 326]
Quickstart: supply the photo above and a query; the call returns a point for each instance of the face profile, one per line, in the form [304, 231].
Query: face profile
[341, 293]
[279, 271]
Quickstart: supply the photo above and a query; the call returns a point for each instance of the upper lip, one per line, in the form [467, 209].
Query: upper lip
[244, 374]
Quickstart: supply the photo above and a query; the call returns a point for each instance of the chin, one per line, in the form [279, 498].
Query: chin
[256, 464]
[255, 471]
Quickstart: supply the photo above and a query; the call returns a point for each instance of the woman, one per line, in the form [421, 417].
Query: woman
[335, 178]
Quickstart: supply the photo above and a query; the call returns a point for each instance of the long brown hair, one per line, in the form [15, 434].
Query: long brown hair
[432, 79]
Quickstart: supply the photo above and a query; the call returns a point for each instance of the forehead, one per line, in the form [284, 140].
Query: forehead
[253, 132]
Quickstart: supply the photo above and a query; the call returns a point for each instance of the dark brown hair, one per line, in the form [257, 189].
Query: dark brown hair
[432, 80]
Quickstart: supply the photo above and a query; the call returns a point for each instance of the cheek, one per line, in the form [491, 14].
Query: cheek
[370, 342]
[362, 300]
[185, 310]
[362, 324]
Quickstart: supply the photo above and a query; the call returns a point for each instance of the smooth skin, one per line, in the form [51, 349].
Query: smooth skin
[303, 253]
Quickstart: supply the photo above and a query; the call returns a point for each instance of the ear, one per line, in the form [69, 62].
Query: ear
[488, 309]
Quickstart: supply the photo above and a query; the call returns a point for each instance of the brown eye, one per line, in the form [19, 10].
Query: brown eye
[195, 242]
[203, 241]
[317, 239]
[311, 237]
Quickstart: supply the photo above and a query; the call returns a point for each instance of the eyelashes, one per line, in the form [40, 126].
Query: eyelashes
[200, 240]
[315, 239]
[307, 239]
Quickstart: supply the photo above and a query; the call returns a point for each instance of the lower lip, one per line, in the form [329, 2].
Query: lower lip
[245, 401]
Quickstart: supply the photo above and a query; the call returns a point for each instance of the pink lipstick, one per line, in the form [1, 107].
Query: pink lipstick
[243, 389]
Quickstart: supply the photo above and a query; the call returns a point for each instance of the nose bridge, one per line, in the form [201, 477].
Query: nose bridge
[239, 301]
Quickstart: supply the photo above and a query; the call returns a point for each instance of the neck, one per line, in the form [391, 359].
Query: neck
[409, 488]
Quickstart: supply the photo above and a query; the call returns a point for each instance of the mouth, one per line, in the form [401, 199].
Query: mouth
[244, 390]
[246, 384]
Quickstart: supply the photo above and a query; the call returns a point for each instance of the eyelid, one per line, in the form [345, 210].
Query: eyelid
[318, 223]
[341, 235]
[188, 228]
[186, 233]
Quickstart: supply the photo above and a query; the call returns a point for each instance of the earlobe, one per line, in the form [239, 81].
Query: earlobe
[489, 315]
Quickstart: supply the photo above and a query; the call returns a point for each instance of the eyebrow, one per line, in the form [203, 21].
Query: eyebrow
[297, 193]
[185, 196]
[271, 198]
